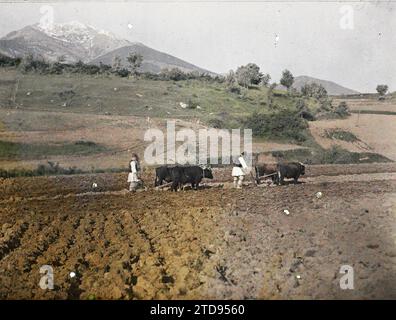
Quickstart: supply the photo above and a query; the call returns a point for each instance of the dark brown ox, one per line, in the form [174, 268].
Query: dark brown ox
[263, 169]
[290, 170]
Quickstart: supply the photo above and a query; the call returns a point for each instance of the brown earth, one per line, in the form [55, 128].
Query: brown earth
[375, 132]
[119, 134]
[212, 243]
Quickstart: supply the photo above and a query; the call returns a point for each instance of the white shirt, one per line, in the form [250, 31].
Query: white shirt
[132, 176]
[133, 166]
[238, 171]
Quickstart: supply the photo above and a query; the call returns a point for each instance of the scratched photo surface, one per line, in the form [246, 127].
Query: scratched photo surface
[197, 150]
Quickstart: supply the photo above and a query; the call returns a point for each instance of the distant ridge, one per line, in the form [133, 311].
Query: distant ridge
[331, 87]
[154, 61]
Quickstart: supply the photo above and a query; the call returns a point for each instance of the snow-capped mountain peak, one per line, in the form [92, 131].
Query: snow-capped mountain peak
[74, 31]
[75, 40]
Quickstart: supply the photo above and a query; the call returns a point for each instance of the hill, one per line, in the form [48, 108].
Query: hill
[331, 87]
[104, 94]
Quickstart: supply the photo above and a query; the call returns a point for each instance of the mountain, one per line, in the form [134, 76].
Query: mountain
[332, 88]
[153, 60]
[75, 41]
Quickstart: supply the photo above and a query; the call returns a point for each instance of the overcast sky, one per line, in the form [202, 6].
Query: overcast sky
[314, 39]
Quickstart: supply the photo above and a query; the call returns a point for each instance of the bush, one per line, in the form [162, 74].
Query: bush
[216, 123]
[123, 73]
[8, 61]
[314, 90]
[327, 111]
[234, 89]
[341, 135]
[192, 104]
[281, 125]
[29, 64]
[342, 110]
[86, 143]
[50, 168]
[307, 115]
[334, 155]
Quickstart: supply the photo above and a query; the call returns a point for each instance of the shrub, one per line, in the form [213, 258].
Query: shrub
[50, 168]
[192, 104]
[6, 61]
[314, 90]
[123, 73]
[281, 125]
[234, 89]
[334, 155]
[341, 135]
[342, 110]
[216, 123]
[173, 74]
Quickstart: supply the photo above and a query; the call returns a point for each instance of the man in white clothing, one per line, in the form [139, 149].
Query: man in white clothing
[239, 171]
[133, 176]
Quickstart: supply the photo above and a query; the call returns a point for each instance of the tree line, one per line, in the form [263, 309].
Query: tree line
[30, 64]
[245, 76]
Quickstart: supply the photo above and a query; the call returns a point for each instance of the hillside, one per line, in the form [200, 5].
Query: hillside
[331, 87]
[153, 60]
[77, 93]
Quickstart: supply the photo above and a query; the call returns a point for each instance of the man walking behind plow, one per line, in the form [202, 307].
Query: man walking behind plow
[134, 175]
[239, 171]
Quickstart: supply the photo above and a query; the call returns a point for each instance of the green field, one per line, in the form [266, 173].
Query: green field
[25, 151]
[113, 95]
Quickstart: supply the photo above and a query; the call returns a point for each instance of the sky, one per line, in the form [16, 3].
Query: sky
[351, 43]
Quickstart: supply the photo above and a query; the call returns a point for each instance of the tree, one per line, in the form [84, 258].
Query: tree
[320, 92]
[314, 90]
[117, 63]
[287, 79]
[382, 89]
[248, 75]
[270, 95]
[135, 61]
[265, 79]
[230, 78]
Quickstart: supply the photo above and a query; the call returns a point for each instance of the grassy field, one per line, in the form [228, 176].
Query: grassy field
[23, 151]
[137, 97]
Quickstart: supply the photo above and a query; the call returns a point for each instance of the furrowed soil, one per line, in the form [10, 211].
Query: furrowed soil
[217, 242]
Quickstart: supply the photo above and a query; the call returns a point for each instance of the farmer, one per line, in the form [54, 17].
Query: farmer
[239, 171]
[134, 174]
